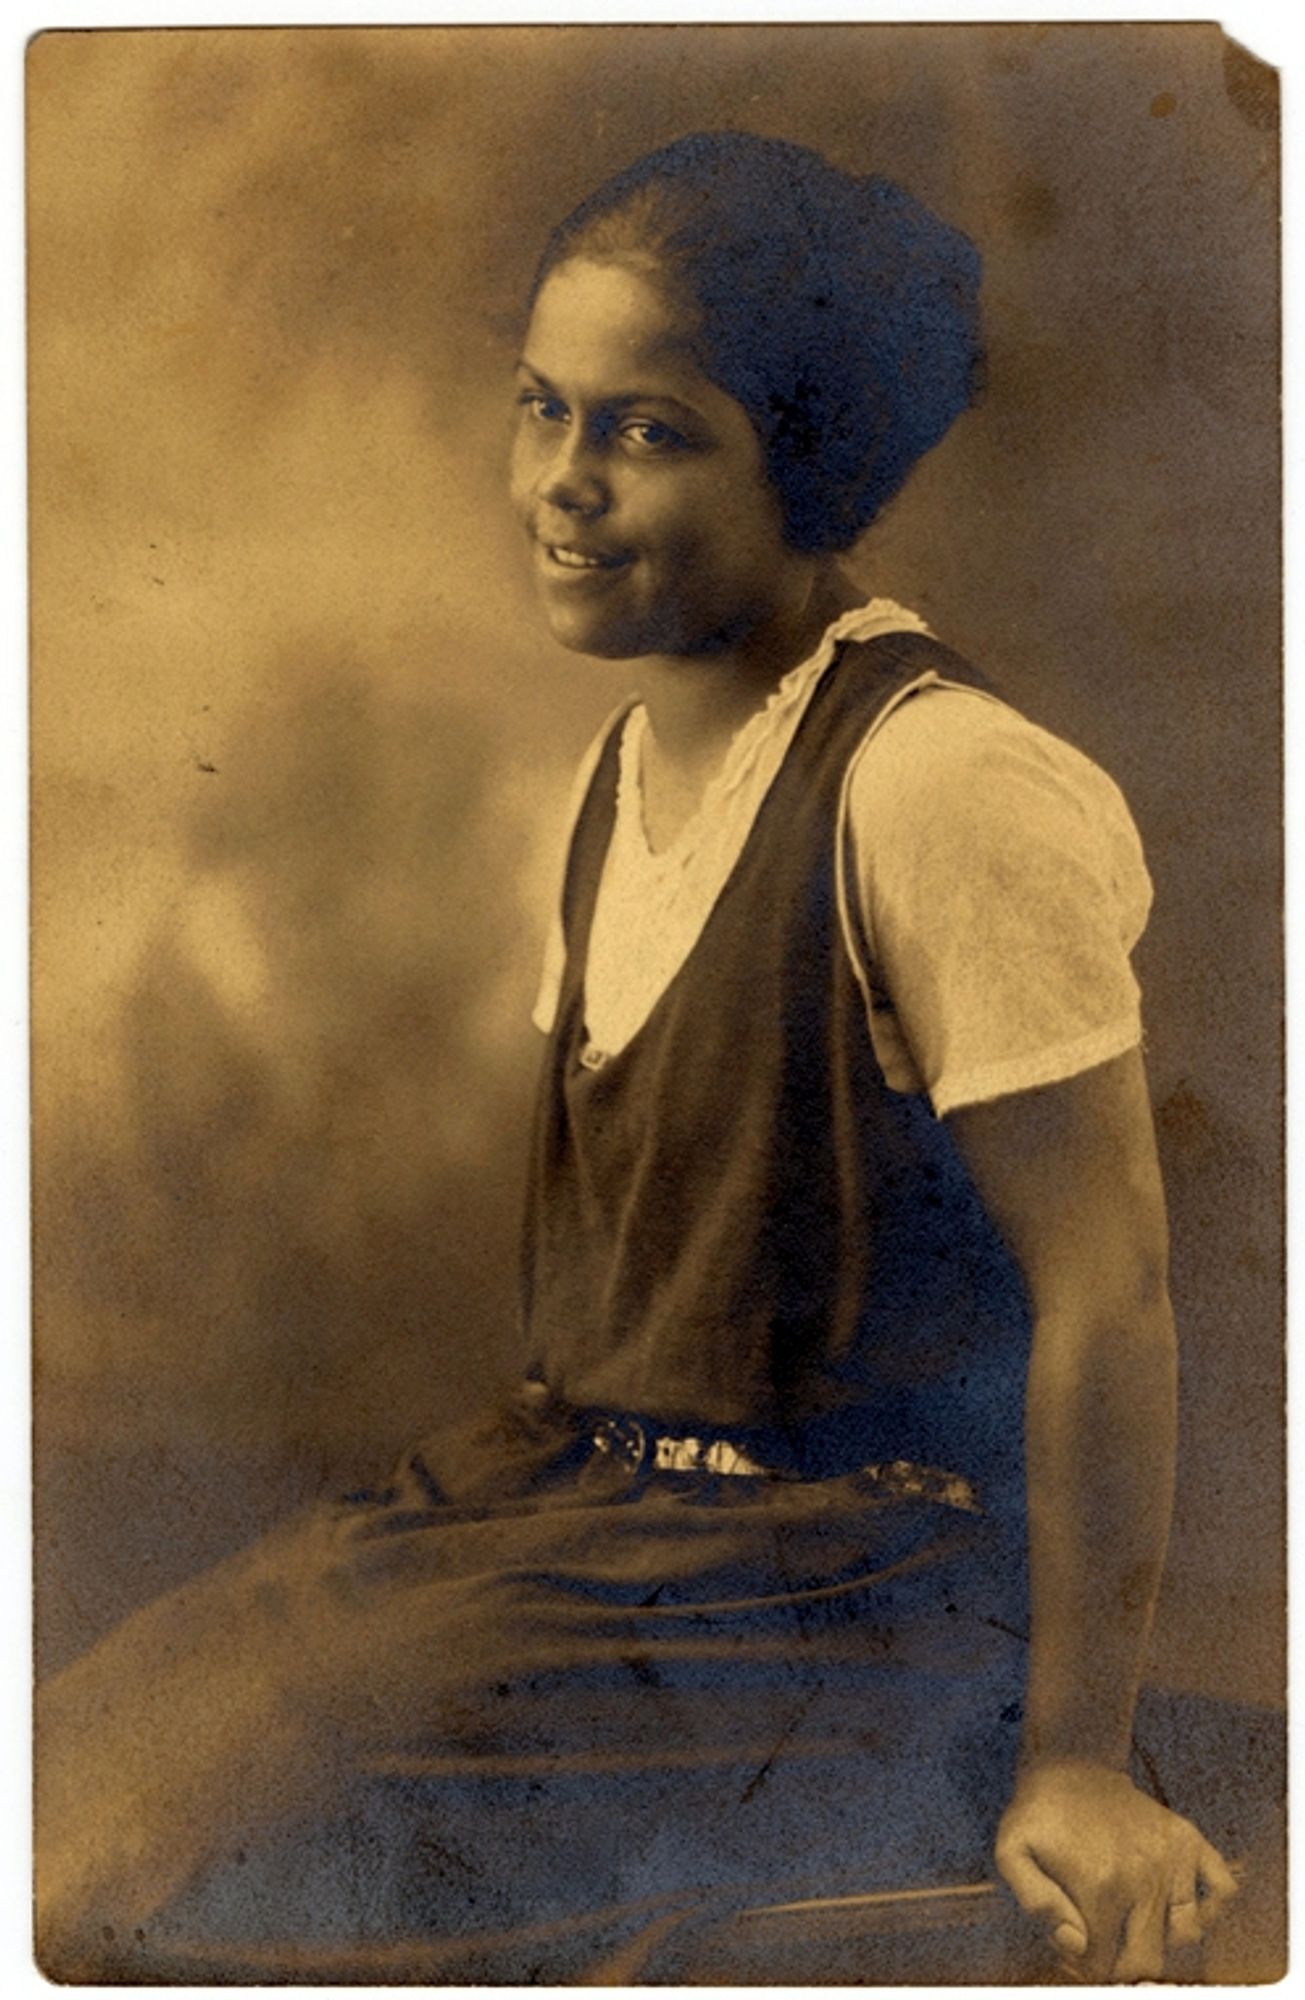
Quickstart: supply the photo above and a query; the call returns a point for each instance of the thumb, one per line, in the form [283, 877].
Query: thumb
[1044, 1899]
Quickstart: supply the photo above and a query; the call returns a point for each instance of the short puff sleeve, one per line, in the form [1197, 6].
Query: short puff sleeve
[1000, 888]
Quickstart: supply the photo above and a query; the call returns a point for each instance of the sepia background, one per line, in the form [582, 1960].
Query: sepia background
[301, 745]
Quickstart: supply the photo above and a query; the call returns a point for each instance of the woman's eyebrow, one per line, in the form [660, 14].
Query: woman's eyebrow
[643, 397]
[623, 400]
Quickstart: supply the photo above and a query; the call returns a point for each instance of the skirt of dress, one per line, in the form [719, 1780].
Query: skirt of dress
[524, 1695]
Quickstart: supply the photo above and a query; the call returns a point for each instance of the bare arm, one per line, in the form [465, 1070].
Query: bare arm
[1070, 1177]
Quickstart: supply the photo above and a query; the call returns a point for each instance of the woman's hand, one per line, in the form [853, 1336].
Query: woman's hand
[1116, 1878]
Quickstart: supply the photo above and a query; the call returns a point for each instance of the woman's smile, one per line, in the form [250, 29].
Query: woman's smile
[575, 561]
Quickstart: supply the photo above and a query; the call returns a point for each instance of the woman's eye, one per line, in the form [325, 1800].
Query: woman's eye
[545, 409]
[646, 434]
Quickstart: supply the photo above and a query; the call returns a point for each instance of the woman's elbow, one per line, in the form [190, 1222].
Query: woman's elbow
[1106, 1312]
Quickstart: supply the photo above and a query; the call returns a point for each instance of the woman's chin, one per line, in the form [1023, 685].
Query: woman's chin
[600, 638]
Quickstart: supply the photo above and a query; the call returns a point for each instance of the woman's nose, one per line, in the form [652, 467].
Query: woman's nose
[572, 479]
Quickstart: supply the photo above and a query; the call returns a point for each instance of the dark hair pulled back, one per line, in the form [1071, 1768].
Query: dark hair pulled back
[841, 313]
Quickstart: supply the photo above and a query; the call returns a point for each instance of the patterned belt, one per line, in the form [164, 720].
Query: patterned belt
[632, 1443]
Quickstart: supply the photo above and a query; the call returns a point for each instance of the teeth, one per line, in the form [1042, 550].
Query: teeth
[571, 559]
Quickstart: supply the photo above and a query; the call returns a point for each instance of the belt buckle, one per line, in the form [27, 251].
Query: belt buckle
[622, 1438]
[903, 1480]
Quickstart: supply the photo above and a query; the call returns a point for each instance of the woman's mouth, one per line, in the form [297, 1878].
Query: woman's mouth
[566, 556]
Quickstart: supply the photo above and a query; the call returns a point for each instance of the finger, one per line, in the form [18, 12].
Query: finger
[1142, 1954]
[1183, 1926]
[1070, 1939]
[1183, 1923]
[1105, 1911]
[1042, 1898]
[1218, 1883]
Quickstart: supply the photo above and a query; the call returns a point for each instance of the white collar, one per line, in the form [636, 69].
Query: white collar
[863, 621]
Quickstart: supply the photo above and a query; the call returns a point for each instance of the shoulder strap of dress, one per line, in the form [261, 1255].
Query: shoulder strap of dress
[910, 649]
[590, 797]
[582, 789]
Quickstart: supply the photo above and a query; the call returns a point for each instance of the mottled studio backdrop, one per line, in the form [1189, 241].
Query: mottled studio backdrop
[300, 746]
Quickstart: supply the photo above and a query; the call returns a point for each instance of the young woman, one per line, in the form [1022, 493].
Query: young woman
[829, 1517]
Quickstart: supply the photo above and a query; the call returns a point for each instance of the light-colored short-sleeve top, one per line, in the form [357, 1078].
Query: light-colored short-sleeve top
[994, 886]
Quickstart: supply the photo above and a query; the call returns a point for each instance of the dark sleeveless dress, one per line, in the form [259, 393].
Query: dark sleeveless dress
[538, 1688]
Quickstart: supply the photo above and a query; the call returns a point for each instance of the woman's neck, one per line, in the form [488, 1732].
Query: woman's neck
[695, 705]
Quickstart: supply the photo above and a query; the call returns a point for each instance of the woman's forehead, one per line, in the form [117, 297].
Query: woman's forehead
[613, 329]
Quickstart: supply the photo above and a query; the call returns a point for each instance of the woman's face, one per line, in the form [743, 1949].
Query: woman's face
[641, 485]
